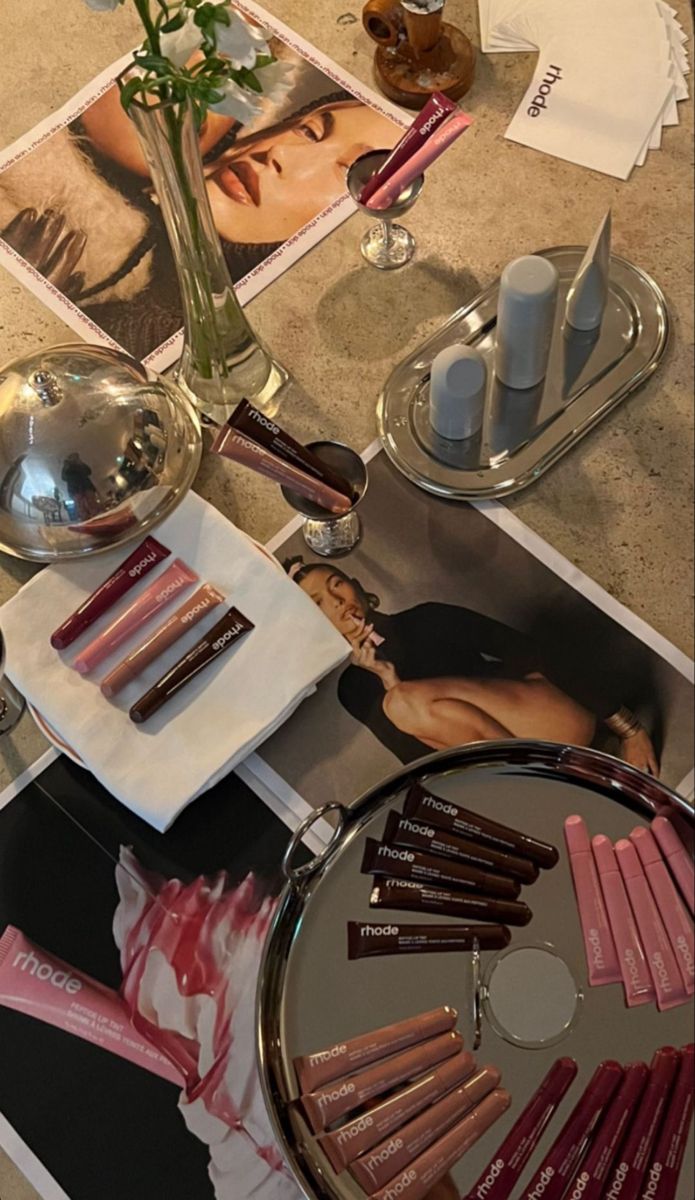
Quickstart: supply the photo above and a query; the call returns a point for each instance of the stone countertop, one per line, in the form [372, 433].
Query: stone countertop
[620, 505]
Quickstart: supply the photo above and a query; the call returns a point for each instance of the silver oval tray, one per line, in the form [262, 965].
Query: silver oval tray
[311, 996]
[525, 432]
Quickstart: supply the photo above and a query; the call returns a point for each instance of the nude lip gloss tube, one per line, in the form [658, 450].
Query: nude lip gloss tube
[165, 588]
[591, 1179]
[676, 919]
[189, 614]
[341, 1096]
[380, 859]
[403, 831]
[633, 964]
[660, 957]
[599, 948]
[552, 1178]
[450, 815]
[420, 1177]
[626, 1177]
[500, 1177]
[419, 897]
[346, 1144]
[435, 112]
[139, 563]
[661, 1180]
[354, 1054]
[677, 857]
[374, 941]
[394, 1154]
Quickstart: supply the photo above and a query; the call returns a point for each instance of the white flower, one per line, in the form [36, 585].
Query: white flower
[182, 43]
[240, 42]
[277, 80]
[239, 103]
[103, 5]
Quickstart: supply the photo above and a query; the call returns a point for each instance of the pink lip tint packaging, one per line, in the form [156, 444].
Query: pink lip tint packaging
[625, 1179]
[666, 978]
[591, 1180]
[637, 981]
[677, 921]
[677, 857]
[601, 958]
[661, 1179]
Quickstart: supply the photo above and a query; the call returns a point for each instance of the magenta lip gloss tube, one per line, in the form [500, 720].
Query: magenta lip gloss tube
[165, 588]
[677, 857]
[591, 1179]
[139, 563]
[601, 958]
[677, 920]
[660, 957]
[500, 1177]
[630, 1167]
[661, 1180]
[637, 982]
[560, 1163]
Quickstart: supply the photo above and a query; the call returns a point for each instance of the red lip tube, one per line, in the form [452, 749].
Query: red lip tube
[591, 1178]
[501, 1175]
[403, 894]
[380, 859]
[136, 566]
[661, 1180]
[625, 1180]
[560, 1164]
[404, 831]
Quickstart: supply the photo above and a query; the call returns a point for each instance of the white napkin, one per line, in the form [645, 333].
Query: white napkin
[156, 769]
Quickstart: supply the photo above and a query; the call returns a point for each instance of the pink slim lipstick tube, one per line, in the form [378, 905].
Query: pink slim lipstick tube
[419, 161]
[165, 588]
[601, 958]
[677, 857]
[501, 1175]
[661, 1180]
[661, 960]
[560, 1163]
[637, 982]
[625, 1179]
[591, 1179]
[677, 921]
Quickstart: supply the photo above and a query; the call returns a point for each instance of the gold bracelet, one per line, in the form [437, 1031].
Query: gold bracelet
[624, 723]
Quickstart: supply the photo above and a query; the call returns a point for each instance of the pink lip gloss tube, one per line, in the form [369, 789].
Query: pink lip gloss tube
[676, 918]
[661, 1180]
[500, 1177]
[637, 982]
[601, 958]
[660, 957]
[165, 588]
[420, 160]
[560, 1163]
[677, 857]
[591, 1179]
[139, 563]
[435, 112]
[625, 1179]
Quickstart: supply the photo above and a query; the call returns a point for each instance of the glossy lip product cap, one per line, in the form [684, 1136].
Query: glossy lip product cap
[676, 919]
[637, 981]
[660, 957]
[599, 948]
[590, 1181]
[626, 1177]
[380, 859]
[403, 894]
[661, 1179]
[404, 831]
[677, 857]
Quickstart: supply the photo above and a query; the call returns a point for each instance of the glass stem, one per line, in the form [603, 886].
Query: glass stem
[388, 236]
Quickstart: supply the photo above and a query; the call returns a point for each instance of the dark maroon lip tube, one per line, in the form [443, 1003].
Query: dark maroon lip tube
[449, 815]
[380, 859]
[255, 425]
[435, 112]
[403, 894]
[591, 1178]
[374, 941]
[501, 1175]
[661, 1179]
[625, 1179]
[417, 835]
[138, 564]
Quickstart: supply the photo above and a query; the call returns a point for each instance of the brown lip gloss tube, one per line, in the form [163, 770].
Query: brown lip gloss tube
[249, 421]
[326, 1105]
[404, 831]
[423, 1173]
[448, 815]
[227, 632]
[373, 941]
[344, 1058]
[346, 1144]
[380, 859]
[138, 564]
[403, 894]
[379, 1165]
[240, 449]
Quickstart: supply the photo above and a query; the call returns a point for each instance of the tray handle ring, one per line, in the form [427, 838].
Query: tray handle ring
[295, 874]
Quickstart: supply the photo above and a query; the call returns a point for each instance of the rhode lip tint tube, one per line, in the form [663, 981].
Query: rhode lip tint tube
[677, 858]
[380, 859]
[501, 1175]
[435, 112]
[403, 831]
[601, 958]
[625, 1179]
[374, 941]
[422, 158]
[138, 564]
[633, 965]
[591, 1179]
[666, 978]
[676, 919]
[661, 1180]
[419, 897]
[165, 588]
[253, 424]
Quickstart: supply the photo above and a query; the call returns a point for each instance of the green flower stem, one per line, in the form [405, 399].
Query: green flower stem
[143, 7]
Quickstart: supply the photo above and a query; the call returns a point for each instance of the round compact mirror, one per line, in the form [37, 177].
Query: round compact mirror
[530, 997]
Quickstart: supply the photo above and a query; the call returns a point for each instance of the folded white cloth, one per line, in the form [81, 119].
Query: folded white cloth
[156, 769]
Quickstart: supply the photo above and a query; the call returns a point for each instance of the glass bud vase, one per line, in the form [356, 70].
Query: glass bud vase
[222, 360]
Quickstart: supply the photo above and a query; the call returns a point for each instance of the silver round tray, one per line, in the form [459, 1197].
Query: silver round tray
[525, 432]
[311, 996]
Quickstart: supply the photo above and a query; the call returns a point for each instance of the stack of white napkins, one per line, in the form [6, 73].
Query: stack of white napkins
[610, 75]
[157, 768]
